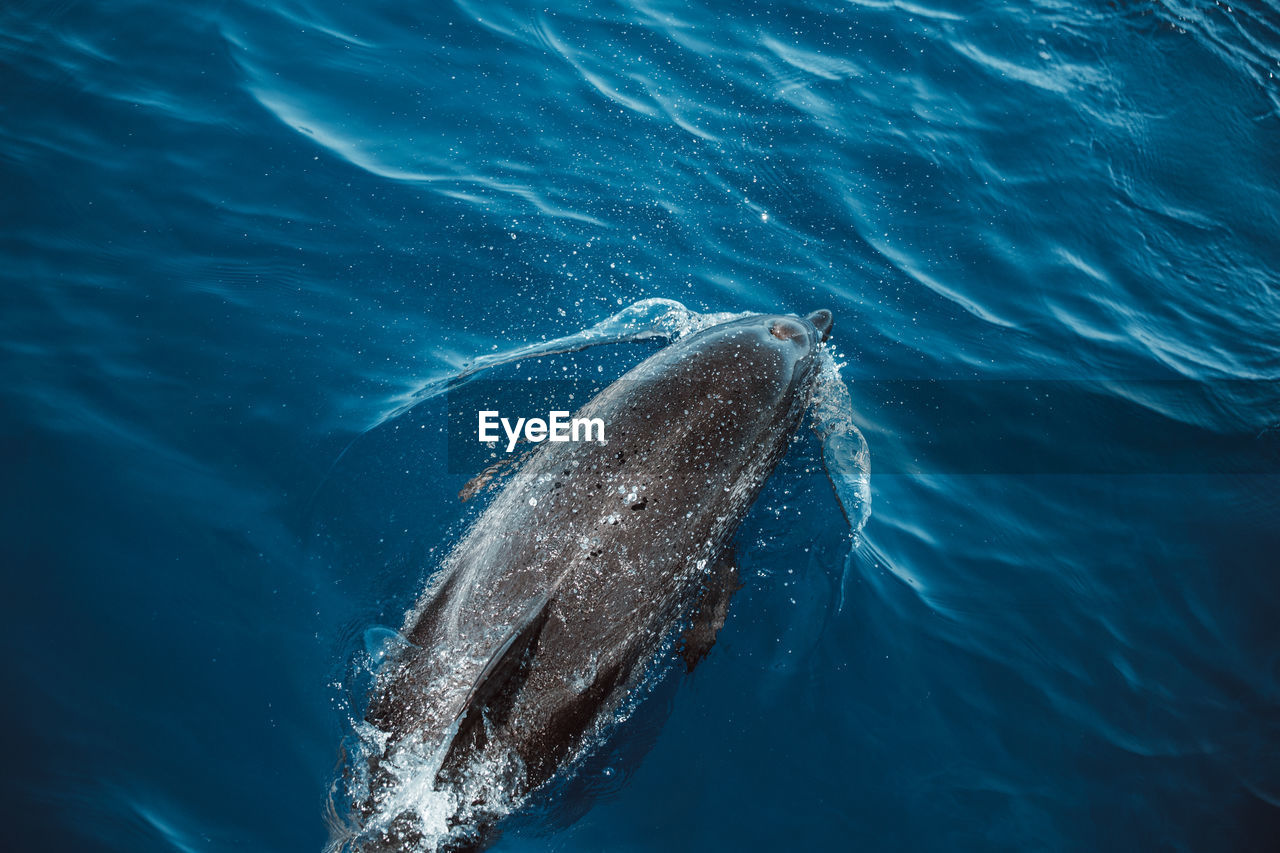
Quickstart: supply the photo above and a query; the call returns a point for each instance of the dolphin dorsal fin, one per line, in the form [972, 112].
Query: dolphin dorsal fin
[495, 687]
[507, 659]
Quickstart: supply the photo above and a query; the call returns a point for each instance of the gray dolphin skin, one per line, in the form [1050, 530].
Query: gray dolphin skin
[575, 578]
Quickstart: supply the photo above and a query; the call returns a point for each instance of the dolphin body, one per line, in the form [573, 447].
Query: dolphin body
[575, 576]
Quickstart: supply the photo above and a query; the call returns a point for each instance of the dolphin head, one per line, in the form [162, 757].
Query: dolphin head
[779, 349]
[757, 371]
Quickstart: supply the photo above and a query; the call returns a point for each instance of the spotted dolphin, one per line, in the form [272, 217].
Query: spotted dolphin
[589, 560]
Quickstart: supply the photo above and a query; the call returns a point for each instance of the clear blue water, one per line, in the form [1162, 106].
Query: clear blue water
[236, 235]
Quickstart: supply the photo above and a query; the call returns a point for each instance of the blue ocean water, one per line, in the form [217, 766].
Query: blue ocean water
[237, 236]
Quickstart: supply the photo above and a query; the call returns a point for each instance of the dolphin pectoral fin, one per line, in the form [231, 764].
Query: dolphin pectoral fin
[711, 610]
[491, 476]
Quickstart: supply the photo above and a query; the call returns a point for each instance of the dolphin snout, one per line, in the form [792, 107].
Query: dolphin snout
[821, 321]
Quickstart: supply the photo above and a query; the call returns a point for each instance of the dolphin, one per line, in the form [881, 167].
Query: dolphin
[580, 572]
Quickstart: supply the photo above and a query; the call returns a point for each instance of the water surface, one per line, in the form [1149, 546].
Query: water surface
[237, 235]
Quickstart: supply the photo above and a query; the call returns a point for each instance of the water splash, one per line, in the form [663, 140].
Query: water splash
[413, 811]
[844, 450]
[644, 320]
[383, 645]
